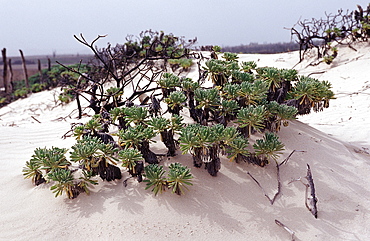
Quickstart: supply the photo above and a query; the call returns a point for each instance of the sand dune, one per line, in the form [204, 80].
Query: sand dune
[229, 206]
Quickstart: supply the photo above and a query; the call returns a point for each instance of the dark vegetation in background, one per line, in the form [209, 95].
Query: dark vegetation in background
[57, 76]
[44, 73]
[63, 58]
[266, 48]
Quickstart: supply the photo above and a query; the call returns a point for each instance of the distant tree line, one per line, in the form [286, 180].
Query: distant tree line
[267, 48]
[19, 62]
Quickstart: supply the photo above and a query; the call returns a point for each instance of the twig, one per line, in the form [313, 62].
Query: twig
[75, 71]
[320, 72]
[263, 190]
[277, 178]
[286, 159]
[73, 125]
[312, 199]
[310, 202]
[67, 134]
[125, 181]
[291, 232]
[306, 191]
[35, 119]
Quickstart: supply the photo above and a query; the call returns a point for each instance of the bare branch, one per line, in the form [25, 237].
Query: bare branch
[310, 200]
[342, 28]
[291, 232]
[272, 200]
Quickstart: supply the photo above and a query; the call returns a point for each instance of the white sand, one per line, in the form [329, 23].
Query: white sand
[229, 206]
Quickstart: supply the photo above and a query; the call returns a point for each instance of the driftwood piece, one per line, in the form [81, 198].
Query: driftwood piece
[312, 206]
[10, 79]
[291, 232]
[35, 119]
[5, 69]
[49, 64]
[39, 69]
[24, 69]
[272, 200]
[310, 200]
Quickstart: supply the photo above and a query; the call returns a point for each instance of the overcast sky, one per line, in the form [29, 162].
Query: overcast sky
[45, 26]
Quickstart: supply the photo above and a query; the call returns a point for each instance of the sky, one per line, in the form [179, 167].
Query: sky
[44, 27]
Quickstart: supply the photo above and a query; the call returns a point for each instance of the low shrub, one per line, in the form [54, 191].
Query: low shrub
[244, 100]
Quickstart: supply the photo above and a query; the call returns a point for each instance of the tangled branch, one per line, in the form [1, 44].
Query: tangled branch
[342, 28]
[137, 63]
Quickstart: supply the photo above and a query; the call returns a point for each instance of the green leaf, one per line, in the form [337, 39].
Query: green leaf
[238, 146]
[176, 98]
[129, 157]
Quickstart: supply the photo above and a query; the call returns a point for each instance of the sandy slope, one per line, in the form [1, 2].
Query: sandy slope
[229, 206]
[348, 115]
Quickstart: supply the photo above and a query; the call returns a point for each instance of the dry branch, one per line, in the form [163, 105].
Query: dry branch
[35, 119]
[291, 232]
[310, 200]
[24, 69]
[5, 70]
[140, 61]
[343, 28]
[277, 178]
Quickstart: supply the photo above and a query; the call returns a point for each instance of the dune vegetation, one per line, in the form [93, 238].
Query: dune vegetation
[137, 95]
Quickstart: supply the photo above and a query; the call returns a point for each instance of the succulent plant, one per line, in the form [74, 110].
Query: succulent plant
[248, 66]
[136, 115]
[269, 147]
[175, 102]
[50, 159]
[64, 183]
[155, 178]
[168, 83]
[178, 177]
[33, 170]
[238, 149]
[311, 93]
[251, 117]
[130, 157]
[252, 93]
[230, 56]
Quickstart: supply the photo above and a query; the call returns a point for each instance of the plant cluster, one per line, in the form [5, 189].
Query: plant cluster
[184, 64]
[96, 153]
[178, 177]
[51, 164]
[244, 100]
